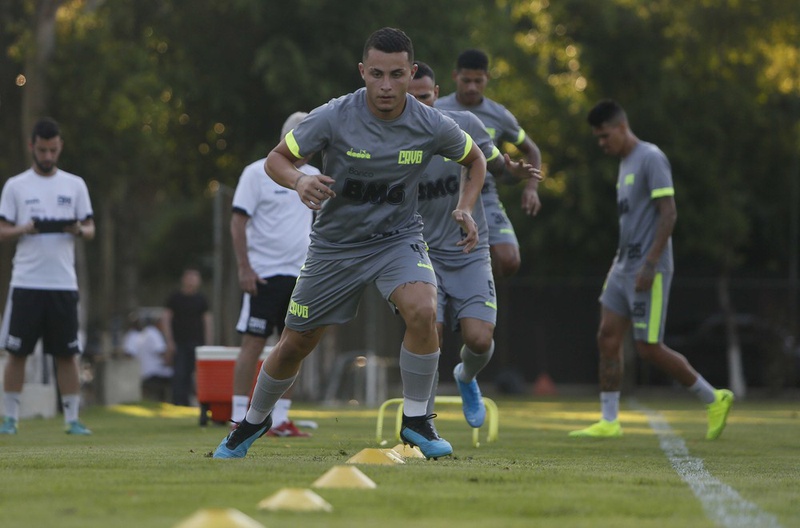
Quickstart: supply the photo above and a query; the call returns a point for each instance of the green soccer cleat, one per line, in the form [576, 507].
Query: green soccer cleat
[718, 413]
[77, 428]
[9, 426]
[601, 429]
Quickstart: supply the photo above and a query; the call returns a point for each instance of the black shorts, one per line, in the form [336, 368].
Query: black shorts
[266, 311]
[51, 315]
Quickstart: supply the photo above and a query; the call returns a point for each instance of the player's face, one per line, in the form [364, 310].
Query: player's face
[470, 85]
[45, 153]
[611, 137]
[386, 76]
[424, 90]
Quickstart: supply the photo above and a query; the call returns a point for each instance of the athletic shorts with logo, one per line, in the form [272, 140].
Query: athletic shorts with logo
[328, 290]
[500, 229]
[647, 310]
[265, 311]
[465, 288]
[31, 314]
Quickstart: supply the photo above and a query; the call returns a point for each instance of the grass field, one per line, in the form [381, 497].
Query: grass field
[149, 466]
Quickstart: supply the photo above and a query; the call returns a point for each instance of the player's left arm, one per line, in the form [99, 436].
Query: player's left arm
[473, 175]
[82, 229]
[667, 216]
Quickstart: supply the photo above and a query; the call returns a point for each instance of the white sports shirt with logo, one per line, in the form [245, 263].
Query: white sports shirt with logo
[45, 261]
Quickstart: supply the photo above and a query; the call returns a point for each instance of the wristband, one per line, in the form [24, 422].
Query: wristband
[298, 180]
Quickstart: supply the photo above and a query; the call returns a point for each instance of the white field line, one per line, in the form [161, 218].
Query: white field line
[722, 504]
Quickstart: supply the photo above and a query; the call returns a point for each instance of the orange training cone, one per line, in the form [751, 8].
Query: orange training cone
[544, 385]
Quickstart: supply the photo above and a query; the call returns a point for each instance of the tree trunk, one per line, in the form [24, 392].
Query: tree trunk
[35, 95]
[735, 371]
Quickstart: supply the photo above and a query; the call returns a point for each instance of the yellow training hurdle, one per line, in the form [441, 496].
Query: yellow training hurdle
[491, 418]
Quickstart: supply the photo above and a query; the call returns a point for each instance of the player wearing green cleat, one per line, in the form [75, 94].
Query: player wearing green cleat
[718, 413]
[601, 429]
[636, 291]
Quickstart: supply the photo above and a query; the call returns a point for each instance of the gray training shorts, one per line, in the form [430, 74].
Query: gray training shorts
[328, 290]
[500, 229]
[647, 310]
[465, 288]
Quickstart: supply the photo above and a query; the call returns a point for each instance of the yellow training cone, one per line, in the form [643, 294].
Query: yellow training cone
[295, 499]
[376, 456]
[219, 518]
[344, 477]
[406, 451]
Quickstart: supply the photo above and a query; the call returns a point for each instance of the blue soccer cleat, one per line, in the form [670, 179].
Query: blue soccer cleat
[9, 426]
[419, 431]
[471, 399]
[76, 428]
[236, 444]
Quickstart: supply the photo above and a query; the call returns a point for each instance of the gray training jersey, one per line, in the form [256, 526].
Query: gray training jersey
[498, 121]
[377, 166]
[439, 191]
[644, 175]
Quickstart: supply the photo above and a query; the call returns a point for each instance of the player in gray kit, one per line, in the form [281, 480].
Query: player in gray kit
[471, 77]
[636, 291]
[464, 280]
[375, 144]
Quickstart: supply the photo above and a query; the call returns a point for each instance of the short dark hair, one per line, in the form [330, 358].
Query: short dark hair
[389, 40]
[423, 70]
[606, 111]
[473, 59]
[45, 128]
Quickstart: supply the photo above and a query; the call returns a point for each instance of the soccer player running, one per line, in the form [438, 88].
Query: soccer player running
[471, 77]
[269, 229]
[636, 290]
[464, 279]
[375, 144]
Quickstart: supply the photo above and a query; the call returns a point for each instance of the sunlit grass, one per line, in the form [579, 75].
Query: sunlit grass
[149, 466]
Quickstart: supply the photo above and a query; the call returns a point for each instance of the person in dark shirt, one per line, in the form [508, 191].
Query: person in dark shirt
[186, 324]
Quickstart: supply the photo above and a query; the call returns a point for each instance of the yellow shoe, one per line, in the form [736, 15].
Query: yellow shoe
[718, 413]
[602, 429]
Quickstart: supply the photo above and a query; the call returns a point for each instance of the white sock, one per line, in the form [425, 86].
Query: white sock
[239, 407]
[609, 405]
[12, 400]
[703, 390]
[71, 403]
[280, 413]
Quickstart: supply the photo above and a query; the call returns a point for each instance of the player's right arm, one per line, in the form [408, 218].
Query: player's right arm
[248, 278]
[166, 330]
[9, 231]
[312, 189]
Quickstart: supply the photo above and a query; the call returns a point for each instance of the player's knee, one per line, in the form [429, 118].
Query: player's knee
[480, 342]
[506, 264]
[420, 315]
[647, 351]
[608, 342]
